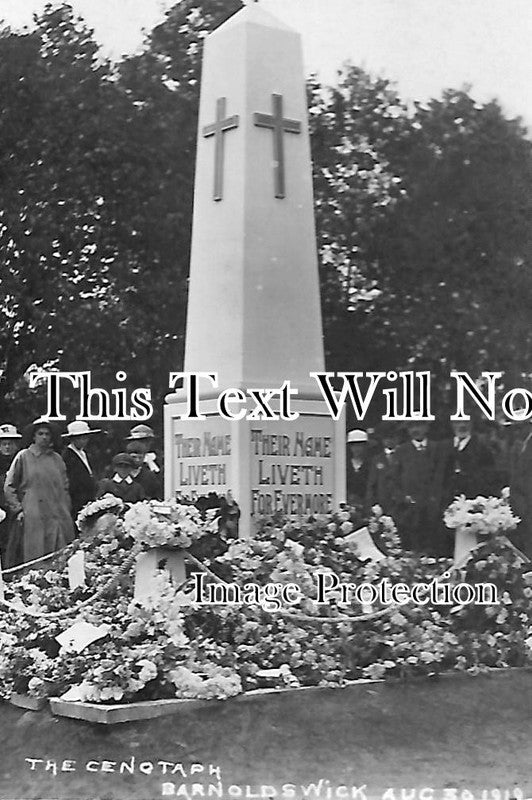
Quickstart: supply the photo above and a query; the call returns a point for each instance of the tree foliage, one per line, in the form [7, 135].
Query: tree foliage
[96, 175]
[422, 214]
[423, 219]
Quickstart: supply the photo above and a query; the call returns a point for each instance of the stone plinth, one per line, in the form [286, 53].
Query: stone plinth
[295, 467]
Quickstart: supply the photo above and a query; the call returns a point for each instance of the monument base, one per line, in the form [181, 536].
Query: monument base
[292, 468]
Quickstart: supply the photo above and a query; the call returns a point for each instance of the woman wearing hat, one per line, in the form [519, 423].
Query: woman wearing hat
[36, 491]
[81, 483]
[9, 438]
[144, 436]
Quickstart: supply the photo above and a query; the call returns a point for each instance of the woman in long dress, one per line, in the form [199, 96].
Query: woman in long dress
[36, 491]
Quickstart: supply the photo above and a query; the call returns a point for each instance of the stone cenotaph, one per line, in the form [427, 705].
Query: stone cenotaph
[254, 313]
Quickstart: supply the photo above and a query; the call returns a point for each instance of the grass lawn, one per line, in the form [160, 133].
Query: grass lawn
[469, 734]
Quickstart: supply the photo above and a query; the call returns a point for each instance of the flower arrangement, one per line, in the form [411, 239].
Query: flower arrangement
[108, 504]
[384, 531]
[484, 516]
[170, 524]
[155, 647]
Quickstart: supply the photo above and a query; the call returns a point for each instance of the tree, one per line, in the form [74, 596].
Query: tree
[427, 216]
[358, 132]
[60, 147]
[95, 200]
[455, 253]
[422, 216]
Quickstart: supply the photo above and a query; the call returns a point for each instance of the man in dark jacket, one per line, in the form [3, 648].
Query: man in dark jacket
[521, 486]
[382, 478]
[470, 464]
[420, 474]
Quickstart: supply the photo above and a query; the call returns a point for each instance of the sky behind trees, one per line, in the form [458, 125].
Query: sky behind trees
[423, 46]
[423, 215]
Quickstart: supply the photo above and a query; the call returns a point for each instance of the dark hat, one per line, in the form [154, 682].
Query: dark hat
[123, 458]
[133, 447]
[387, 427]
[42, 422]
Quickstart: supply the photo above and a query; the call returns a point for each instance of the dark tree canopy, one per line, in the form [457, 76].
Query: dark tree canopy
[424, 230]
[423, 215]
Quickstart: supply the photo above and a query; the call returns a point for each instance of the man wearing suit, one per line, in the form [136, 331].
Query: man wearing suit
[420, 472]
[521, 486]
[81, 483]
[470, 464]
[382, 478]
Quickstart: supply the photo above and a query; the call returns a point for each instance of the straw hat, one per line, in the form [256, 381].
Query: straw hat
[140, 432]
[357, 436]
[79, 428]
[9, 432]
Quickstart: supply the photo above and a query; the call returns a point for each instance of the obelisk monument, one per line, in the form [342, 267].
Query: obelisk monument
[254, 313]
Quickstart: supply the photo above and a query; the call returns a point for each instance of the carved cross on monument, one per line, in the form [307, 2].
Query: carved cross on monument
[217, 129]
[278, 125]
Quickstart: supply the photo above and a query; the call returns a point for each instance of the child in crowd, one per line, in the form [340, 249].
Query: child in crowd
[122, 484]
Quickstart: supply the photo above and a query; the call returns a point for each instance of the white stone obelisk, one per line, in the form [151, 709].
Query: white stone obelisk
[254, 307]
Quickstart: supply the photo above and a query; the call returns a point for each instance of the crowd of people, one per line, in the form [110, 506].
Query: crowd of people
[414, 477]
[46, 479]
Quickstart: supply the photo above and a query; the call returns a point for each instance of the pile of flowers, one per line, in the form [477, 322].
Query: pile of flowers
[144, 652]
[166, 645]
[485, 516]
[170, 524]
[108, 504]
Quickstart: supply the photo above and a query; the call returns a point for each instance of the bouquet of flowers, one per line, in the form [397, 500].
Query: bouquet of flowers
[485, 516]
[170, 524]
[384, 532]
[108, 504]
